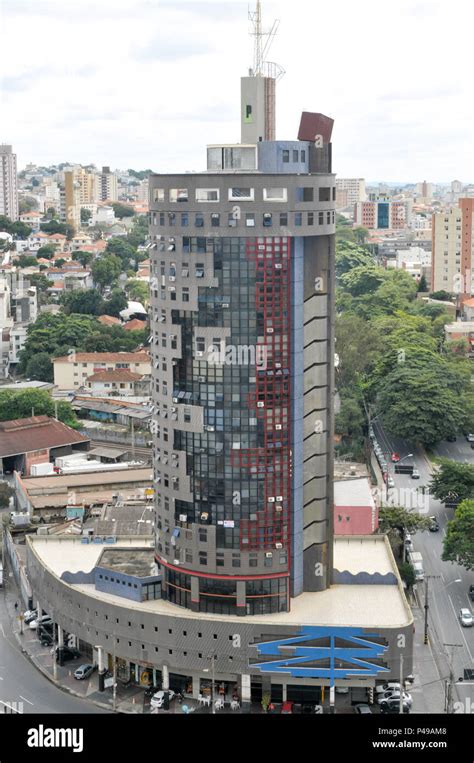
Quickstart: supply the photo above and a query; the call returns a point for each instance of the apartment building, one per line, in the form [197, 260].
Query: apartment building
[452, 249]
[8, 183]
[355, 188]
[72, 371]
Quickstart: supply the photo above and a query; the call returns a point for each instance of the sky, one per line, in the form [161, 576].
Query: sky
[148, 83]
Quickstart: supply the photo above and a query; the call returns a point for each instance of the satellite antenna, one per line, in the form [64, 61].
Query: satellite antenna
[262, 45]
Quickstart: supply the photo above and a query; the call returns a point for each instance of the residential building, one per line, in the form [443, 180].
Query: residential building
[355, 188]
[452, 249]
[109, 383]
[461, 330]
[70, 209]
[32, 219]
[424, 190]
[355, 509]
[8, 183]
[72, 371]
[108, 190]
[379, 214]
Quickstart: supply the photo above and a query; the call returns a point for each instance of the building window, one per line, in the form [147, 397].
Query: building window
[178, 194]
[286, 156]
[158, 194]
[250, 220]
[244, 194]
[275, 194]
[310, 218]
[199, 220]
[283, 218]
[215, 220]
[320, 218]
[184, 219]
[305, 194]
[295, 155]
[324, 194]
[185, 295]
[267, 220]
[303, 156]
[207, 194]
[298, 218]
[203, 558]
[232, 220]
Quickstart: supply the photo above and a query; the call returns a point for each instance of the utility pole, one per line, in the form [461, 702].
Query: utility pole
[56, 410]
[55, 662]
[114, 694]
[402, 686]
[425, 635]
[133, 440]
[450, 683]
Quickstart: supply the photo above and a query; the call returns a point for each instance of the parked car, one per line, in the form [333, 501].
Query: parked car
[363, 709]
[408, 542]
[415, 475]
[471, 592]
[387, 696]
[158, 699]
[83, 671]
[451, 438]
[466, 618]
[470, 437]
[390, 481]
[67, 653]
[386, 686]
[30, 614]
[395, 457]
[287, 708]
[46, 639]
[392, 707]
[45, 620]
[434, 525]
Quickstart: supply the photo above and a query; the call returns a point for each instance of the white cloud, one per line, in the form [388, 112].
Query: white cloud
[147, 83]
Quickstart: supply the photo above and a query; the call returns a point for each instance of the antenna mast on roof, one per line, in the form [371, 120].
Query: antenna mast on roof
[263, 43]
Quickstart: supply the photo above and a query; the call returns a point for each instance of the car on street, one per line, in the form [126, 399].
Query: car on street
[471, 592]
[395, 457]
[67, 653]
[46, 638]
[363, 709]
[470, 437]
[386, 686]
[408, 542]
[451, 438]
[30, 614]
[415, 475]
[158, 699]
[465, 617]
[83, 671]
[44, 620]
[387, 696]
[392, 707]
[434, 525]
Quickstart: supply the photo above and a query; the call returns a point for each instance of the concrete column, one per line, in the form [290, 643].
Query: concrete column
[241, 600]
[196, 686]
[245, 691]
[60, 636]
[101, 667]
[165, 677]
[283, 692]
[194, 593]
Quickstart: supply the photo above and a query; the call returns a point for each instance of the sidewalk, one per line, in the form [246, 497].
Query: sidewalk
[428, 688]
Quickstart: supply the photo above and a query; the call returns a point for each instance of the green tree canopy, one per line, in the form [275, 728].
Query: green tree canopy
[137, 290]
[458, 544]
[46, 251]
[453, 479]
[40, 368]
[20, 404]
[115, 303]
[122, 210]
[82, 302]
[106, 270]
[85, 258]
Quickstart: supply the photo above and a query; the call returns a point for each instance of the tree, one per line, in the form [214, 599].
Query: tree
[83, 302]
[16, 229]
[106, 270]
[138, 291]
[85, 258]
[407, 574]
[361, 234]
[351, 418]
[122, 249]
[458, 544]
[40, 368]
[53, 226]
[349, 256]
[27, 261]
[141, 175]
[122, 210]
[399, 518]
[46, 251]
[6, 492]
[422, 285]
[27, 204]
[59, 262]
[42, 284]
[115, 303]
[52, 213]
[86, 215]
[20, 404]
[453, 479]
[442, 295]
[363, 279]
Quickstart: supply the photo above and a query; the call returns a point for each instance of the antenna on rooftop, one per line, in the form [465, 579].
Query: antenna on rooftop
[262, 45]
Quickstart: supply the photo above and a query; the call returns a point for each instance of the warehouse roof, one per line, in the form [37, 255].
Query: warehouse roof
[35, 433]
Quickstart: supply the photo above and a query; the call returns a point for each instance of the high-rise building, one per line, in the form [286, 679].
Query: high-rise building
[108, 188]
[355, 188]
[452, 249]
[70, 200]
[8, 183]
[383, 214]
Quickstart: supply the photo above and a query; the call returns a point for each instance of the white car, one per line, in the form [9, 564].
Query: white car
[387, 696]
[158, 699]
[45, 620]
[385, 687]
[466, 618]
[390, 481]
[415, 475]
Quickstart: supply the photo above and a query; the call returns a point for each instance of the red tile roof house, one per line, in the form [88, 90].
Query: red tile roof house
[36, 440]
[120, 381]
[135, 325]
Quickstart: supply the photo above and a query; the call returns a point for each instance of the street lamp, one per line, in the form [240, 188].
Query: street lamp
[213, 658]
[433, 577]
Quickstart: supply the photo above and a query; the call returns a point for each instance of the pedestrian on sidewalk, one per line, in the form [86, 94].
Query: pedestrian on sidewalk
[16, 606]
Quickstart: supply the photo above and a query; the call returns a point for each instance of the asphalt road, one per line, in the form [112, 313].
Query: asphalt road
[22, 682]
[446, 597]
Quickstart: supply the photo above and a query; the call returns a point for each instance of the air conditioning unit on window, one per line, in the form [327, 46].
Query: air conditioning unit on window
[175, 400]
[260, 404]
[209, 428]
[268, 555]
[199, 354]
[174, 410]
[172, 278]
[270, 331]
[225, 304]
[278, 508]
[277, 426]
[175, 561]
[279, 498]
[183, 517]
[271, 499]
[278, 545]
[278, 265]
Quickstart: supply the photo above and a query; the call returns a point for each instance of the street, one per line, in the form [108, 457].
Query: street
[446, 597]
[21, 682]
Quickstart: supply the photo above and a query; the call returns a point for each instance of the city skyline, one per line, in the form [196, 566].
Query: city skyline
[180, 49]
